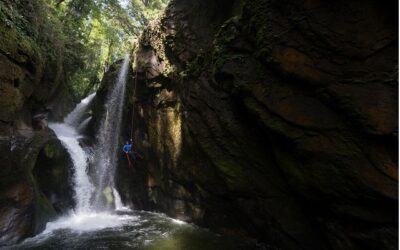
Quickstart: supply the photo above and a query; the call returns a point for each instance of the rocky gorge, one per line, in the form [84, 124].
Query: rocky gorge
[271, 121]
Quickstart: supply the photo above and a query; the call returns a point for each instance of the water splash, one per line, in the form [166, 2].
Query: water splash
[107, 145]
[89, 222]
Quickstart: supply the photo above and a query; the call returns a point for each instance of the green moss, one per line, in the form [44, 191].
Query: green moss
[12, 41]
[50, 151]
[196, 66]
[43, 209]
[153, 195]
[107, 192]
[155, 36]
[257, 12]
[58, 172]
[53, 149]
[44, 212]
[220, 51]
[231, 170]
[11, 101]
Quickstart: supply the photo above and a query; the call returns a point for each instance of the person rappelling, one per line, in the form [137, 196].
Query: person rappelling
[130, 153]
[127, 148]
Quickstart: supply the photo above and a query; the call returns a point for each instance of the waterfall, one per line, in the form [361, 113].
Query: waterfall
[84, 124]
[75, 117]
[96, 193]
[118, 202]
[107, 141]
[68, 135]
[101, 192]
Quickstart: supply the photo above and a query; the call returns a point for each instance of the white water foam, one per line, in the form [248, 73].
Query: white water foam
[83, 188]
[68, 135]
[89, 222]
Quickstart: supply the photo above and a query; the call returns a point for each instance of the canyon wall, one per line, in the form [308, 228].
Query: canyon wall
[35, 167]
[276, 120]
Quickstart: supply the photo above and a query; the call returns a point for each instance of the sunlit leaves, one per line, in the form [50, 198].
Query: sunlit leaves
[144, 11]
[98, 32]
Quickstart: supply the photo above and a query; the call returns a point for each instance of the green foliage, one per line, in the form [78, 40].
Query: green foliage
[144, 11]
[85, 35]
[100, 32]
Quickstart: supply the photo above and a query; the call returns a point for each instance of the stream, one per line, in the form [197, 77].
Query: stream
[129, 230]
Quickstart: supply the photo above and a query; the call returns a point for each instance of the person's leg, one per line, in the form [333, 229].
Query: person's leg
[129, 160]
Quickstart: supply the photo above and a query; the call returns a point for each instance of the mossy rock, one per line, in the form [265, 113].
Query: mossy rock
[53, 171]
[43, 213]
[11, 102]
[53, 150]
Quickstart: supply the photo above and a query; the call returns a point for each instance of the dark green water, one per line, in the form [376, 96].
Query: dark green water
[130, 230]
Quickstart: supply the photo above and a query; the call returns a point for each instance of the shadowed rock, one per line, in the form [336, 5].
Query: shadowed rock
[284, 120]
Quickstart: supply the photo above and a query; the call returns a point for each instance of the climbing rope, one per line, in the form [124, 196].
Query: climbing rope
[134, 98]
[11, 142]
[133, 114]
[12, 132]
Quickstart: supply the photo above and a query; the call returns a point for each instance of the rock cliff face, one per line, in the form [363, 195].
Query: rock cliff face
[273, 119]
[31, 76]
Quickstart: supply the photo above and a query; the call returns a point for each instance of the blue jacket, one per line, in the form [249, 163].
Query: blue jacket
[127, 148]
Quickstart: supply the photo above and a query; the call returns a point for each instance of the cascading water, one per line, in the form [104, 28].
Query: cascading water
[84, 217]
[84, 124]
[86, 197]
[69, 137]
[107, 144]
[75, 117]
[106, 148]
[118, 202]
